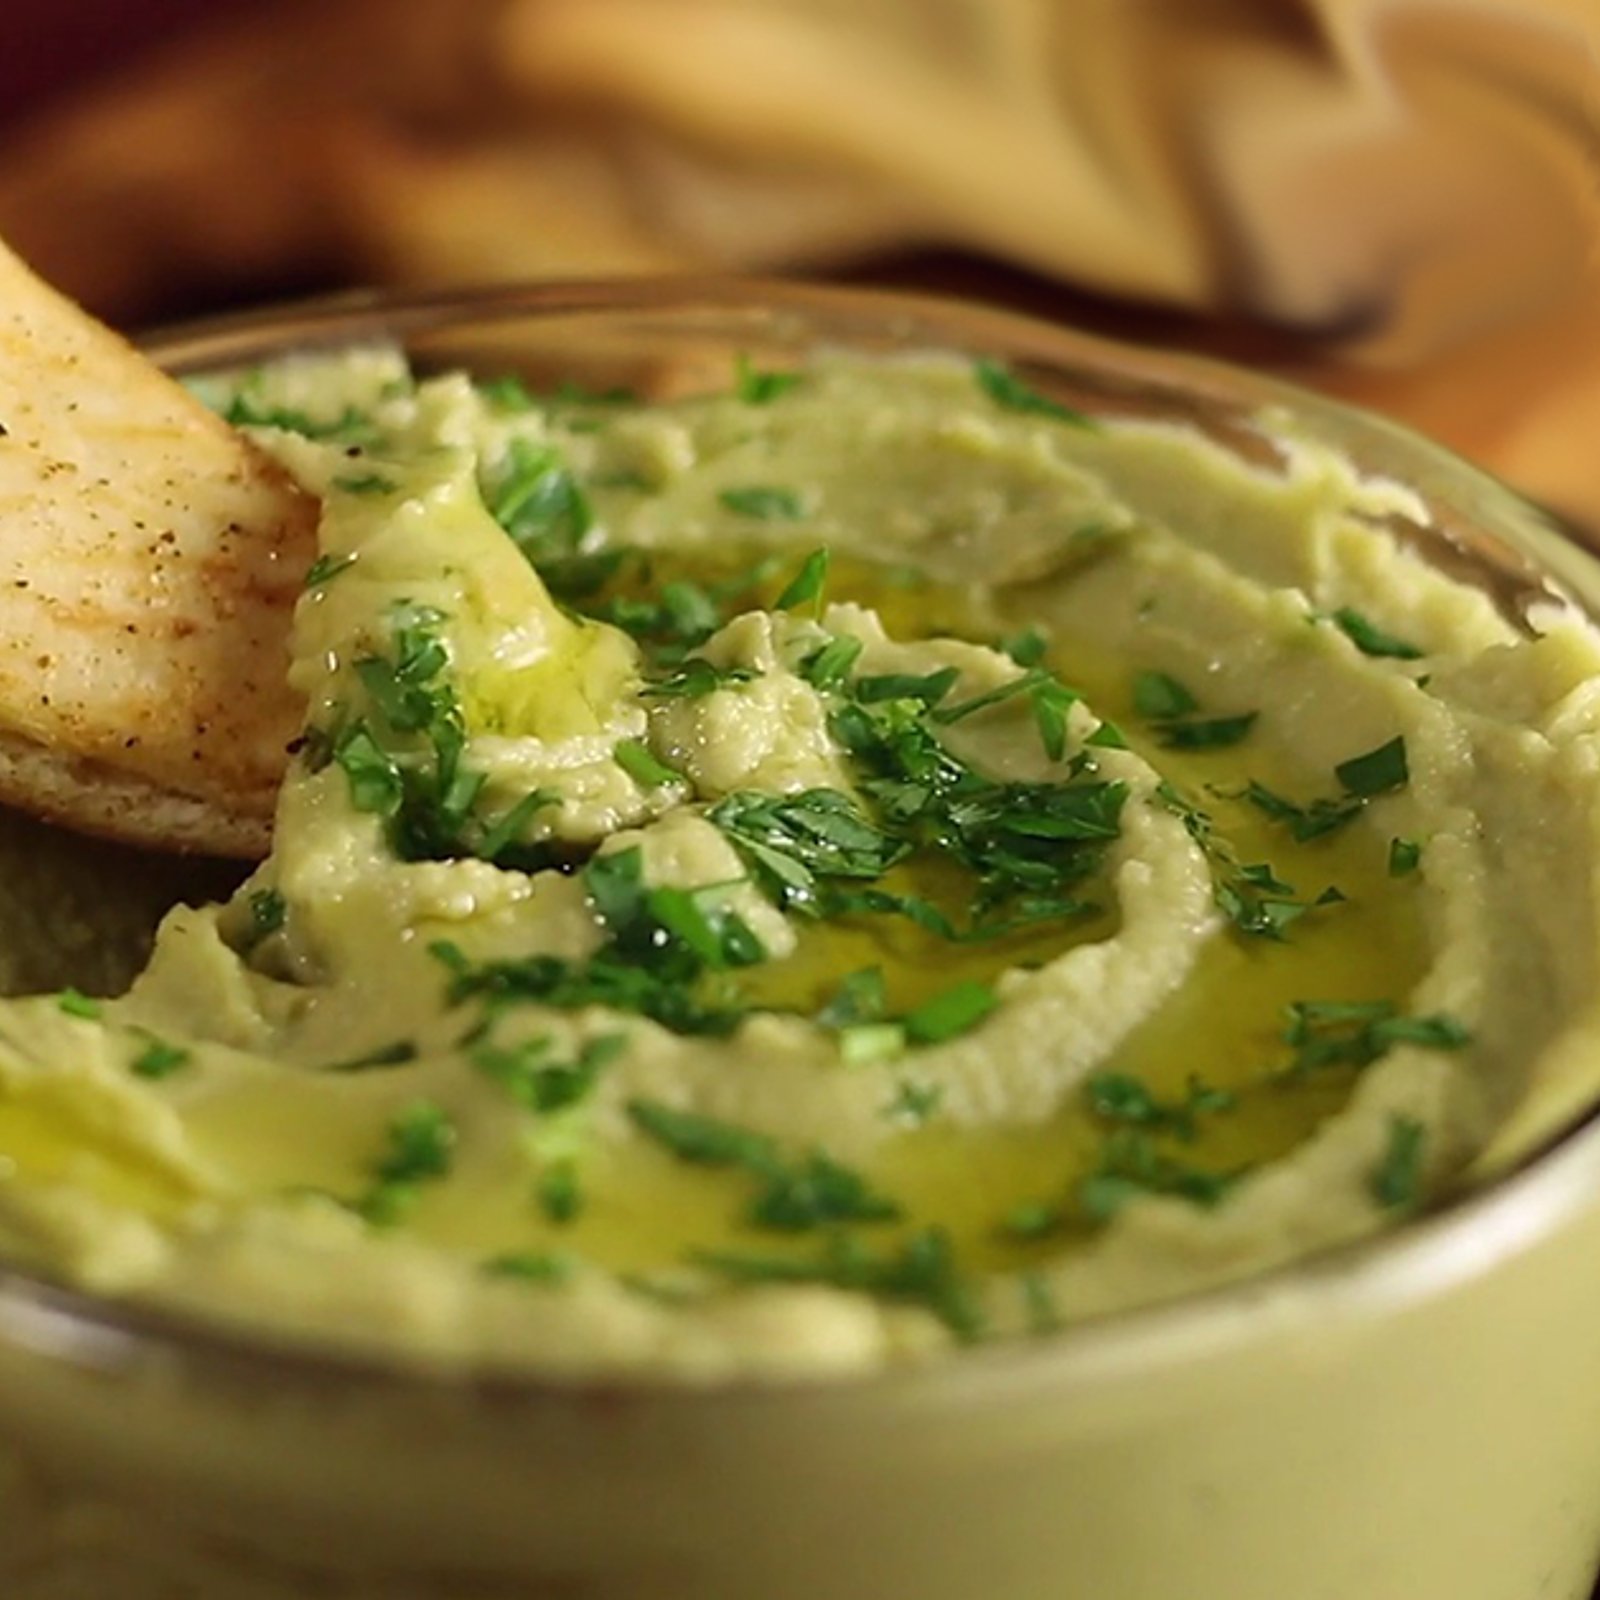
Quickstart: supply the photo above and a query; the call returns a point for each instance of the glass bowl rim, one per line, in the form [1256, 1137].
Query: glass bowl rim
[1465, 1237]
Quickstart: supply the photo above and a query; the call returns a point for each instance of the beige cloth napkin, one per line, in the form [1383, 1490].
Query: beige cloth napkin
[1412, 183]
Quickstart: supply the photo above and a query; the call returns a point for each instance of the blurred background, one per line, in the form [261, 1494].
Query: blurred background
[1394, 200]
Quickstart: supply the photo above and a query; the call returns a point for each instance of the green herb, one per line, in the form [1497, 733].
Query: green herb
[1108, 736]
[501, 835]
[758, 388]
[77, 1004]
[558, 1193]
[268, 913]
[326, 568]
[865, 1042]
[367, 483]
[807, 585]
[703, 1141]
[1021, 684]
[915, 1102]
[1008, 391]
[860, 998]
[1027, 648]
[923, 1272]
[1051, 702]
[635, 758]
[159, 1059]
[829, 666]
[538, 502]
[957, 1010]
[1163, 701]
[245, 412]
[1377, 771]
[1396, 1181]
[791, 841]
[1132, 1165]
[1322, 816]
[388, 1055]
[1044, 1316]
[695, 677]
[1207, 733]
[1355, 1033]
[507, 393]
[1117, 1097]
[1257, 901]
[818, 1191]
[541, 1085]
[421, 1144]
[1159, 698]
[1033, 1219]
[927, 688]
[1405, 856]
[1370, 639]
[531, 1266]
[765, 503]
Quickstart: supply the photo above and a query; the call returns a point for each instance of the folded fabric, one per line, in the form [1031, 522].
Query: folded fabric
[1413, 181]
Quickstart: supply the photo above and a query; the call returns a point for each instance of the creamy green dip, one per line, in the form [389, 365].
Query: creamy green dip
[808, 874]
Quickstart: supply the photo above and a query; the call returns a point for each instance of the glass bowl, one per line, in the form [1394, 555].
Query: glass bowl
[1418, 1415]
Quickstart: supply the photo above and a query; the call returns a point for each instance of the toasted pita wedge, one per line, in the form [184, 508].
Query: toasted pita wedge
[150, 557]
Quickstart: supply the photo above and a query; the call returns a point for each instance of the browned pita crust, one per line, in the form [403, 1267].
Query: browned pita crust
[150, 557]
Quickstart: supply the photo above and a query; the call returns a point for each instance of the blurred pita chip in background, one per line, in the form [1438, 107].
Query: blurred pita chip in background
[1395, 200]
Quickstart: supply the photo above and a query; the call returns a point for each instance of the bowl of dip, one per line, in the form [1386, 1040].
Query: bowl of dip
[905, 952]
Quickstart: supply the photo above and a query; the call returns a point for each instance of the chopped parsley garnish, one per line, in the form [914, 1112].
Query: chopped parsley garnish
[159, 1059]
[1377, 771]
[831, 664]
[806, 586]
[1166, 704]
[757, 387]
[537, 1083]
[421, 1144]
[557, 1192]
[1159, 698]
[704, 1141]
[1364, 777]
[1405, 856]
[78, 1004]
[1370, 639]
[927, 688]
[789, 841]
[326, 568]
[268, 913]
[1027, 648]
[507, 393]
[915, 1102]
[1011, 393]
[531, 1266]
[957, 1010]
[1131, 1165]
[695, 677]
[365, 483]
[660, 943]
[245, 412]
[420, 1148]
[635, 758]
[1118, 1097]
[764, 502]
[922, 1272]
[1396, 1181]
[398, 1054]
[536, 499]
[1355, 1033]
[861, 997]
[795, 1195]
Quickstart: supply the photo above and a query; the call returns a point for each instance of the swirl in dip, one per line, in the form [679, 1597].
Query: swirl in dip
[792, 878]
